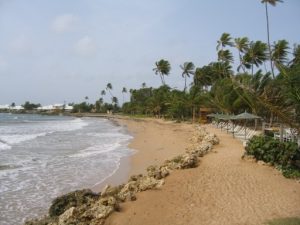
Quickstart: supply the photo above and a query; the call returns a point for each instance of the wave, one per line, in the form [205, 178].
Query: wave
[4, 146]
[18, 133]
[95, 150]
[17, 138]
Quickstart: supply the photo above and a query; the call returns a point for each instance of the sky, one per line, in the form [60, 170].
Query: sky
[56, 51]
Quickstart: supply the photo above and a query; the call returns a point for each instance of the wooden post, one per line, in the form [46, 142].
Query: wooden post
[281, 132]
[263, 126]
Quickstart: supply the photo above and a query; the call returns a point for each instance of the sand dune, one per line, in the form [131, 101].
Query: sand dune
[224, 189]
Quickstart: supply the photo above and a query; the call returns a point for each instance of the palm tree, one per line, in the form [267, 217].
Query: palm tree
[296, 54]
[144, 85]
[103, 92]
[162, 68]
[273, 3]
[124, 90]
[109, 88]
[280, 53]
[225, 56]
[255, 55]
[242, 45]
[225, 40]
[115, 100]
[101, 101]
[187, 70]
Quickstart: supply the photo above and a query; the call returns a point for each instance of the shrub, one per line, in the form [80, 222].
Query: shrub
[282, 154]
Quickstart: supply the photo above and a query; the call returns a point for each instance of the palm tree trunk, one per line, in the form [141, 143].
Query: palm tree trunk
[269, 45]
[184, 83]
[162, 80]
[241, 62]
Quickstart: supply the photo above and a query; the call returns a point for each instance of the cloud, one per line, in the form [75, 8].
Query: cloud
[21, 45]
[64, 23]
[85, 47]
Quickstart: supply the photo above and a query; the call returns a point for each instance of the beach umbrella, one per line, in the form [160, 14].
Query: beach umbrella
[246, 116]
[211, 115]
[225, 117]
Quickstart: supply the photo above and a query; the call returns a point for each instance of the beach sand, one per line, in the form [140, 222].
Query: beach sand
[224, 189]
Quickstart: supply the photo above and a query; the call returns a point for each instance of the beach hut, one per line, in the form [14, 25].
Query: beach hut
[245, 116]
[204, 112]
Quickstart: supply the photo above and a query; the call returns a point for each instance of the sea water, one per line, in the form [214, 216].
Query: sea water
[42, 157]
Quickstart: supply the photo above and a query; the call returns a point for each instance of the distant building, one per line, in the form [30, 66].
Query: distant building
[55, 108]
[11, 108]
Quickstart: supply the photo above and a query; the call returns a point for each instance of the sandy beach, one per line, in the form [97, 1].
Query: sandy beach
[224, 189]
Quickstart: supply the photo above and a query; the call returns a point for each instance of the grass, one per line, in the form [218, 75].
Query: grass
[284, 221]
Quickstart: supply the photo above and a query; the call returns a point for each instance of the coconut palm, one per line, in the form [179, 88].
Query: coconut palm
[103, 92]
[144, 85]
[280, 54]
[109, 88]
[162, 68]
[273, 3]
[124, 90]
[225, 40]
[225, 56]
[241, 45]
[296, 55]
[255, 55]
[115, 100]
[187, 70]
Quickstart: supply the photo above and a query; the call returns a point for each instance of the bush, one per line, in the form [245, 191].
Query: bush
[282, 154]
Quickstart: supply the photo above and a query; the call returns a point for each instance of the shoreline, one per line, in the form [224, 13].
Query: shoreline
[143, 131]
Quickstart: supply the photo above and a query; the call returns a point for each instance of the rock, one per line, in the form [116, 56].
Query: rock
[164, 171]
[135, 177]
[110, 201]
[128, 190]
[260, 162]
[96, 212]
[67, 216]
[72, 199]
[111, 191]
[185, 161]
[146, 183]
[153, 171]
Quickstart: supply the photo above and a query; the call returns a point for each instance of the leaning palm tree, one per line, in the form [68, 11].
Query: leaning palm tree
[162, 67]
[273, 3]
[255, 55]
[109, 88]
[225, 40]
[280, 54]
[296, 55]
[187, 70]
[241, 45]
[124, 90]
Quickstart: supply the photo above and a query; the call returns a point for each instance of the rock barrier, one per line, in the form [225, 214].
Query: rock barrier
[84, 207]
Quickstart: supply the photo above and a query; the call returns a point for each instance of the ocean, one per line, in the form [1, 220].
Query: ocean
[42, 157]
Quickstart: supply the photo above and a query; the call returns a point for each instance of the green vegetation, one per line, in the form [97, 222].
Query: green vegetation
[284, 155]
[285, 221]
[30, 106]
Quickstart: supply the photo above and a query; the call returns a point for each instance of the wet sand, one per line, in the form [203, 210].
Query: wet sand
[224, 189]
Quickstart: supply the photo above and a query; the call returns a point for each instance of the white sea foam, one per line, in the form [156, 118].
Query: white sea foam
[17, 138]
[4, 146]
[95, 150]
[70, 154]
